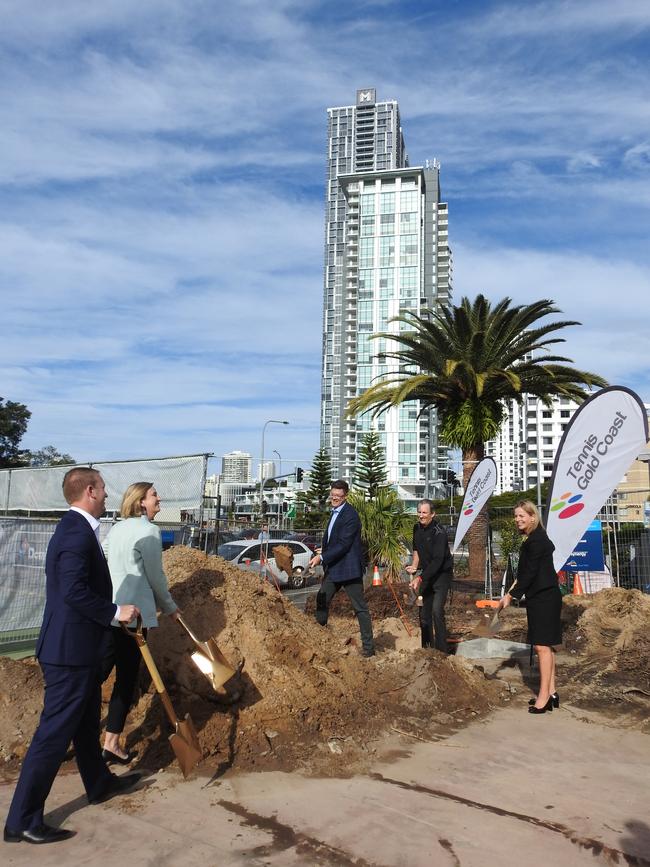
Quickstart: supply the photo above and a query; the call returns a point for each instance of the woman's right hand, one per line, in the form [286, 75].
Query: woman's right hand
[175, 614]
[504, 602]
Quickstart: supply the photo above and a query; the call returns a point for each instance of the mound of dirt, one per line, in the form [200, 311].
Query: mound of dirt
[610, 642]
[304, 696]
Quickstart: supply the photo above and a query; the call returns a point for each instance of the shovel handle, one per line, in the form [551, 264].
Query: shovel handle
[153, 670]
[187, 629]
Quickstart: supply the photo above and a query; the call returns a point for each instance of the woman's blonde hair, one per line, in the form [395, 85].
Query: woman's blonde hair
[132, 500]
[530, 509]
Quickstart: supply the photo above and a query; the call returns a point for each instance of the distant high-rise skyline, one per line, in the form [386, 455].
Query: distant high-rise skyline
[386, 252]
[236, 467]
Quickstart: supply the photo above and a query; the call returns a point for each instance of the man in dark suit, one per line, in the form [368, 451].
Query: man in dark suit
[432, 556]
[76, 622]
[343, 563]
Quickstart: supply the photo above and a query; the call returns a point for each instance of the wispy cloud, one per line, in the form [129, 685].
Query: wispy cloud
[162, 173]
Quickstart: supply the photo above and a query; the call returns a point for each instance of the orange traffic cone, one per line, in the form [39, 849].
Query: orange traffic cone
[376, 578]
[577, 585]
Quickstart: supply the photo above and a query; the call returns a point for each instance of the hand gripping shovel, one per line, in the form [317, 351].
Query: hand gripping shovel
[184, 741]
[209, 659]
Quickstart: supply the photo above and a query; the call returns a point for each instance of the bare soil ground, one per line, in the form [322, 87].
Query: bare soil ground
[305, 698]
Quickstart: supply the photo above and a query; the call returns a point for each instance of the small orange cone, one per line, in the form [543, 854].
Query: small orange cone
[577, 585]
[376, 578]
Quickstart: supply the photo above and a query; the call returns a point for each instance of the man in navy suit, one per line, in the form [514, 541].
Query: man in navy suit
[343, 563]
[76, 622]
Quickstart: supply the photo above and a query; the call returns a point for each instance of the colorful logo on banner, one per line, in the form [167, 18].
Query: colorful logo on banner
[600, 443]
[480, 486]
[567, 505]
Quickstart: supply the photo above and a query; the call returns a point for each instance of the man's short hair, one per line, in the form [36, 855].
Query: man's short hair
[426, 503]
[340, 485]
[76, 481]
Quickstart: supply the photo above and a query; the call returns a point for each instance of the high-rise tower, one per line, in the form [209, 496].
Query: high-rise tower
[386, 251]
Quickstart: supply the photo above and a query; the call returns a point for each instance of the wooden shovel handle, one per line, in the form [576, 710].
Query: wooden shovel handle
[153, 670]
[187, 629]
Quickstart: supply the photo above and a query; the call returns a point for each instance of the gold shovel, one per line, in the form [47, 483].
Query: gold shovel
[184, 741]
[209, 659]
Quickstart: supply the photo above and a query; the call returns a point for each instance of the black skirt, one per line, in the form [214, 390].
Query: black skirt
[544, 611]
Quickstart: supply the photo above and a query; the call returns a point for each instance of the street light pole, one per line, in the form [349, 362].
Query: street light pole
[275, 452]
[270, 421]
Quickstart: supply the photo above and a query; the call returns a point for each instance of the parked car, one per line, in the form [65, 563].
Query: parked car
[311, 540]
[247, 553]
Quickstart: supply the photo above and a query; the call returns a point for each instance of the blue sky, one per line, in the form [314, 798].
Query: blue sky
[162, 168]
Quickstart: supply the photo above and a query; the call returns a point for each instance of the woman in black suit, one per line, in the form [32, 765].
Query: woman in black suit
[537, 579]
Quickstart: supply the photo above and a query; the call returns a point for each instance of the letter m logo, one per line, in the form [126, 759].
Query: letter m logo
[366, 97]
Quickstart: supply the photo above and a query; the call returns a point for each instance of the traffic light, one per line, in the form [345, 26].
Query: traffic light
[299, 474]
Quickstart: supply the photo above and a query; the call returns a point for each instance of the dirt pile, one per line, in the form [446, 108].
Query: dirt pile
[304, 697]
[610, 645]
[307, 696]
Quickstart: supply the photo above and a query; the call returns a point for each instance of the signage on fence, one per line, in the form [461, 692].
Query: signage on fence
[23, 545]
[599, 444]
[588, 554]
[479, 488]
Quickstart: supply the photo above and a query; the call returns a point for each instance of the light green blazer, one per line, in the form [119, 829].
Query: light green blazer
[134, 551]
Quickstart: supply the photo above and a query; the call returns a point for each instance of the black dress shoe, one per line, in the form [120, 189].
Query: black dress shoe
[547, 707]
[113, 758]
[40, 834]
[554, 695]
[116, 786]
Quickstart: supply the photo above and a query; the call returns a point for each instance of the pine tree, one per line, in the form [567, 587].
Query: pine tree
[320, 479]
[371, 473]
[315, 498]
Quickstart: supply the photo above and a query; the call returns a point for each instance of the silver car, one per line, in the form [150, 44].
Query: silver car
[247, 552]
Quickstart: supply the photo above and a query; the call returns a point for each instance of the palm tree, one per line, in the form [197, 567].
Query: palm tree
[386, 529]
[466, 361]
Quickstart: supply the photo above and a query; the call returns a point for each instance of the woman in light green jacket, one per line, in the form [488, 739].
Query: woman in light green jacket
[134, 551]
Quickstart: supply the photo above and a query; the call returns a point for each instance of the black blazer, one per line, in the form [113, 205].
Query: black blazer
[535, 571]
[79, 593]
[434, 556]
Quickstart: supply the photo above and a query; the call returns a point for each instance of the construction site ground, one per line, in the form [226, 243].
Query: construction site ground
[315, 755]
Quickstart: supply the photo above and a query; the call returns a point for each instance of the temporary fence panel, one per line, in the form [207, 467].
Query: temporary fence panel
[180, 481]
[23, 544]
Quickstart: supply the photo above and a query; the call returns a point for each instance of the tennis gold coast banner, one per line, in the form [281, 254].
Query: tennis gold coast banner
[599, 445]
[479, 488]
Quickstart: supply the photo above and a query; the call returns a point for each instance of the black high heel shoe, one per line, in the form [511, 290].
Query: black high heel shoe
[547, 707]
[554, 695]
[113, 759]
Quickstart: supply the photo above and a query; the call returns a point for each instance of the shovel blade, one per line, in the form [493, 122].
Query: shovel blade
[185, 728]
[495, 624]
[186, 755]
[216, 672]
[186, 747]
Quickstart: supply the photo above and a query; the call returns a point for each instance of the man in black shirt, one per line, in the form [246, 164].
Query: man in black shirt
[431, 555]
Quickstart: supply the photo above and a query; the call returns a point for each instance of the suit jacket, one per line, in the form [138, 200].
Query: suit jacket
[535, 571]
[342, 554]
[434, 557]
[134, 550]
[78, 607]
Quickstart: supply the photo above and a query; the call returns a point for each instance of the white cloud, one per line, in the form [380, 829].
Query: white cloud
[608, 297]
[162, 177]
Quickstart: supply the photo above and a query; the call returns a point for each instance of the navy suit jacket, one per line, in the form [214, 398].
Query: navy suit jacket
[342, 554]
[78, 607]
